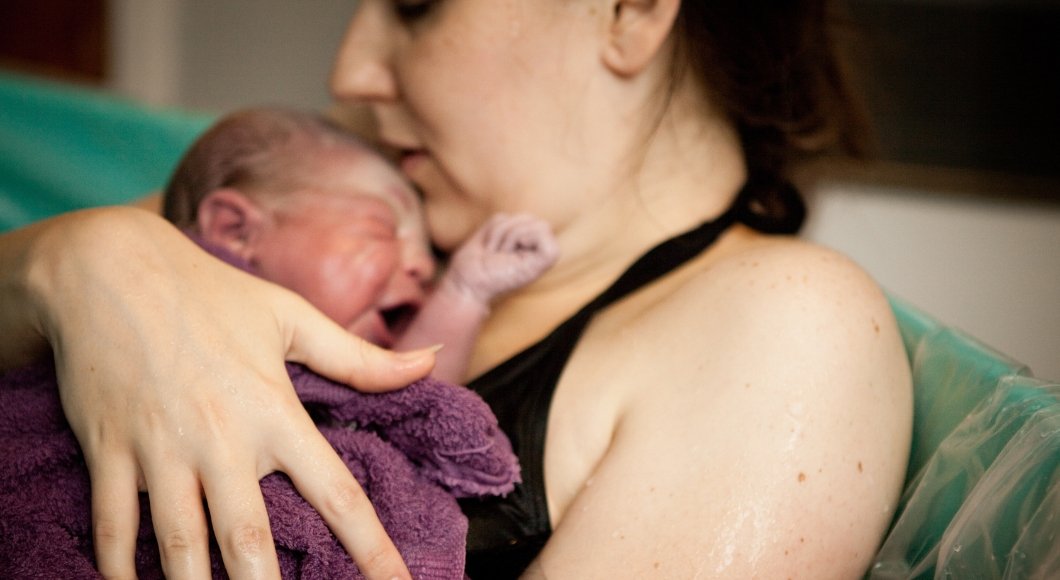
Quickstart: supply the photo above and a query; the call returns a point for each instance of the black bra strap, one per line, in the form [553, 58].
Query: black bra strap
[663, 259]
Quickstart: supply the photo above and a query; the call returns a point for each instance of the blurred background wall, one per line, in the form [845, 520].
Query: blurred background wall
[960, 215]
[217, 55]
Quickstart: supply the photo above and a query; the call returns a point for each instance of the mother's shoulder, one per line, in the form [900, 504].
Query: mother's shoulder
[799, 320]
[771, 292]
[781, 271]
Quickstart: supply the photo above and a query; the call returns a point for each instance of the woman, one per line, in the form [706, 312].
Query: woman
[736, 404]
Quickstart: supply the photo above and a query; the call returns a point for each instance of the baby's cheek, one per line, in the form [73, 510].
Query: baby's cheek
[367, 278]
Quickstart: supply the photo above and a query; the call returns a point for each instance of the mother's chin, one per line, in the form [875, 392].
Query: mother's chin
[451, 220]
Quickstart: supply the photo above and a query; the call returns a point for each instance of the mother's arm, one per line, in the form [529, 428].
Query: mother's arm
[171, 370]
[771, 443]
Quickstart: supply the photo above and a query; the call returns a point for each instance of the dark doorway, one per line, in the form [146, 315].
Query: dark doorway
[58, 38]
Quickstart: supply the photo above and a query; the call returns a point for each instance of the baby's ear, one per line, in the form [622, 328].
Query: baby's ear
[230, 220]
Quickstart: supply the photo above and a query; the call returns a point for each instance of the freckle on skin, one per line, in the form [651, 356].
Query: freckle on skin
[802, 477]
[860, 468]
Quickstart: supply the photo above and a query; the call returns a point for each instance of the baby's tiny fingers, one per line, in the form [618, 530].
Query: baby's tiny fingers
[533, 236]
[493, 231]
[517, 233]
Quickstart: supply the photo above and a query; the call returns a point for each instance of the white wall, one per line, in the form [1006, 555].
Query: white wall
[146, 49]
[988, 267]
[217, 55]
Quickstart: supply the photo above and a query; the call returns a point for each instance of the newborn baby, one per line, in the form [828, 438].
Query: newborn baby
[289, 197]
[302, 203]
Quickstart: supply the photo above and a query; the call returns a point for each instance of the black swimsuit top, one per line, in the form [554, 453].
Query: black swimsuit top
[506, 534]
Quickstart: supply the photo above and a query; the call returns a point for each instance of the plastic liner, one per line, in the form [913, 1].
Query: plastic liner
[983, 495]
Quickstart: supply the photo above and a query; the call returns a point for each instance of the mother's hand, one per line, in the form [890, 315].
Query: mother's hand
[171, 370]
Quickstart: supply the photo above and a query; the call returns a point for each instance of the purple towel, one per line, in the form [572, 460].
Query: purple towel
[412, 450]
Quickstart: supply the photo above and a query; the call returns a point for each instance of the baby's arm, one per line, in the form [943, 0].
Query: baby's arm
[506, 253]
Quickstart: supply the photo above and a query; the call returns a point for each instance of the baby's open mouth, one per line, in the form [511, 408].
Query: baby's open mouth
[398, 318]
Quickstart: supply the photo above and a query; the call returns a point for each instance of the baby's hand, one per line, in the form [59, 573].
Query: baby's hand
[506, 253]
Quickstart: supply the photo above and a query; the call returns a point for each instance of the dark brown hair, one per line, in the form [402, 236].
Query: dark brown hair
[776, 71]
[257, 151]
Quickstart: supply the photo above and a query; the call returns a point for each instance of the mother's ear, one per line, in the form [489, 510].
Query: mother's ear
[638, 30]
[230, 220]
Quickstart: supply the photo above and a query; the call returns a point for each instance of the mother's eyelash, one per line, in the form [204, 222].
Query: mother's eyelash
[413, 10]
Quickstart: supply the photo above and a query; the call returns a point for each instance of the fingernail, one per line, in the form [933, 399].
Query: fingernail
[420, 353]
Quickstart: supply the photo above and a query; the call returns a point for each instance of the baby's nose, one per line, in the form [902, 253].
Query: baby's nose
[419, 265]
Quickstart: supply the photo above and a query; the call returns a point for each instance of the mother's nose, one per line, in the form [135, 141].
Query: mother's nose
[362, 69]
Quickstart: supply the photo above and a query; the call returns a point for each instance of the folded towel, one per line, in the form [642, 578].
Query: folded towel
[412, 450]
[448, 432]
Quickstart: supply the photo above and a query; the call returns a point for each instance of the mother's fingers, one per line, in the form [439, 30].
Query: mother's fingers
[115, 515]
[180, 524]
[326, 483]
[240, 521]
[330, 350]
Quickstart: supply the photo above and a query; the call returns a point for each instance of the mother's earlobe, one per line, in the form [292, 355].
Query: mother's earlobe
[638, 30]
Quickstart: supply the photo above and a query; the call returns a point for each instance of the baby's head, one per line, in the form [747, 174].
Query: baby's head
[308, 206]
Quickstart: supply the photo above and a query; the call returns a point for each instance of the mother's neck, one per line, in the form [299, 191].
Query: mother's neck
[687, 172]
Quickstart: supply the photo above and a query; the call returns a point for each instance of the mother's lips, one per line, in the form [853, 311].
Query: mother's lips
[410, 159]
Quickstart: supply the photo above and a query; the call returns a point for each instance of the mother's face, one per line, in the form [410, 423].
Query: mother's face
[491, 102]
